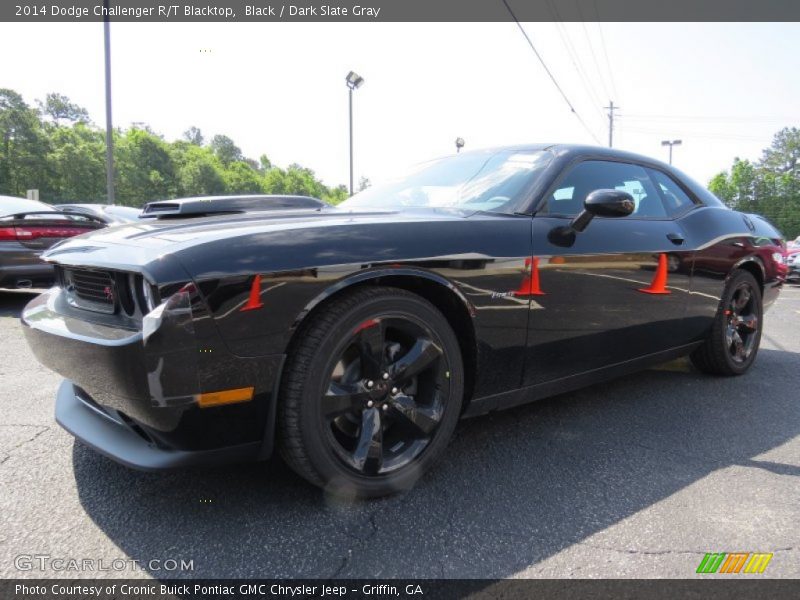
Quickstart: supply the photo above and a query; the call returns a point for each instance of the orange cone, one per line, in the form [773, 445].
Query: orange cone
[254, 301]
[659, 285]
[530, 287]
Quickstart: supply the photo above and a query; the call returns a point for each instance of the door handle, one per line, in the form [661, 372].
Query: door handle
[675, 238]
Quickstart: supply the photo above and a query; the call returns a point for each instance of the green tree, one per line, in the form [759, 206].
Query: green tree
[241, 178]
[225, 149]
[23, 147]
[336, 195]
[784, 153]
[57, 150]
[59, 108]
[193, 135]
[769, 187]
[145, 170]
[198, 171]
[77, 159]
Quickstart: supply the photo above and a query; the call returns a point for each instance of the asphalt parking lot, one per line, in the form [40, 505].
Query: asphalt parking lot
[635, 478]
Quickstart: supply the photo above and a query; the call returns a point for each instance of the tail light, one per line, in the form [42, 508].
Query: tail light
[8, 234]
[17, 234]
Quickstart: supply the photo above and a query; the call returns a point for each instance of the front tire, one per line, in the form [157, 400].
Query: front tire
[371, 393]
[732, 344]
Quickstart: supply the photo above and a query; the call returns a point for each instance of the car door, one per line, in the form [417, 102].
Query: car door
[617, 290]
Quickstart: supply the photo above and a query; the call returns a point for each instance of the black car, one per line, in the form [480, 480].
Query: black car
[110, 214]
[354, 338]
[27, 228]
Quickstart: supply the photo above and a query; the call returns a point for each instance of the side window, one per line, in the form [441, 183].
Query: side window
[676, 200]
[591, 175]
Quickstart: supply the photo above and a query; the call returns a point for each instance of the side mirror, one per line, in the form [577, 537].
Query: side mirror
[603, 203]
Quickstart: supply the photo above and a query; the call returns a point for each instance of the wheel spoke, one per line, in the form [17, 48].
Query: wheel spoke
[748, 322]
[370, 340]
[421, 355]
[742, 299]
[738, 347]
[368, 455]
[343, 397]
[421, 419]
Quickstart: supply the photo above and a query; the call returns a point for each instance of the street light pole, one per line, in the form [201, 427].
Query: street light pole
[109, 120]
[671, 144]
[350, 99]
[354, 81]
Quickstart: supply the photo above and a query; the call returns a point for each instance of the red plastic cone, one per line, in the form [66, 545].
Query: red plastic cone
[254, 301]
[659, 285]
[530, 286]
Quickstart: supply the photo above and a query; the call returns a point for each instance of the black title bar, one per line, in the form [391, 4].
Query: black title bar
[370, 11]
[394, 589]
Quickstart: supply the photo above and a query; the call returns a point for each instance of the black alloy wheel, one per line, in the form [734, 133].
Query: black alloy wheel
[734, 338]
[741, 333]
[386, 395]
[372, 392]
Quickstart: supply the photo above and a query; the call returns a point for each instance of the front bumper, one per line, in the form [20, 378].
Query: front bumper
[122, 384]
[120, 439]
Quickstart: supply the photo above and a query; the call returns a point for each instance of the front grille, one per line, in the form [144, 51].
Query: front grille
[91, 289]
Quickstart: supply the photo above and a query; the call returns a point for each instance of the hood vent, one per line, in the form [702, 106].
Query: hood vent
[220, 205]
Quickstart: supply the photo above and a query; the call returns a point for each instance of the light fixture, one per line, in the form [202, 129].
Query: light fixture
[354, 80]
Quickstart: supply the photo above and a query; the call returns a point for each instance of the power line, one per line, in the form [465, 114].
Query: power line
[591, 49]
[719, 118]
[594, 59]
[704, 135]
[574, 57]
[605, 51]
[549, 73]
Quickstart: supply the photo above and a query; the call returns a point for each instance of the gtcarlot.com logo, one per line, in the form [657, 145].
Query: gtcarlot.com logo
[46, 562]
[734, 562]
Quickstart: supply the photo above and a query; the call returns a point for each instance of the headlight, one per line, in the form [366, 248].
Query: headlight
[779, 258]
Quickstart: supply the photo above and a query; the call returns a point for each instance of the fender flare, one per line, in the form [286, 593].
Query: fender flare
[377, 273]
[752, 258]
[268, 439]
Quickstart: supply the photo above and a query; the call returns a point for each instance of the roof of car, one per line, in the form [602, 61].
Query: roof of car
[10, 205]
[584, 149]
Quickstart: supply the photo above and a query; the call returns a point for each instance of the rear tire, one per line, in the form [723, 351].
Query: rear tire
[371, 393]
[732, 344]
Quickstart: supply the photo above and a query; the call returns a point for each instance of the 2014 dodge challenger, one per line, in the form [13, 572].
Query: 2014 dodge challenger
[354, 338]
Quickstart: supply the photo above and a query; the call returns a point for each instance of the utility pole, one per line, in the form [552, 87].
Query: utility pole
[109, 120]
[611, 108]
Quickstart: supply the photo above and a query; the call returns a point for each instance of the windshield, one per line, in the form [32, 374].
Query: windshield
[485, 180]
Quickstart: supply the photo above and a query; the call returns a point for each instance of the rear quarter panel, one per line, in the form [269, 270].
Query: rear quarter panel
[724, 241]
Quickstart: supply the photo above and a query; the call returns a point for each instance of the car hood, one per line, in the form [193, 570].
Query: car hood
[132, 245]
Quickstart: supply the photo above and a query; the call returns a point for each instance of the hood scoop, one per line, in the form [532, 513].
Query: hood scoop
[218, 205]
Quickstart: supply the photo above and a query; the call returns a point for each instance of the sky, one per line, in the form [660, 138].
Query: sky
[279, 88]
